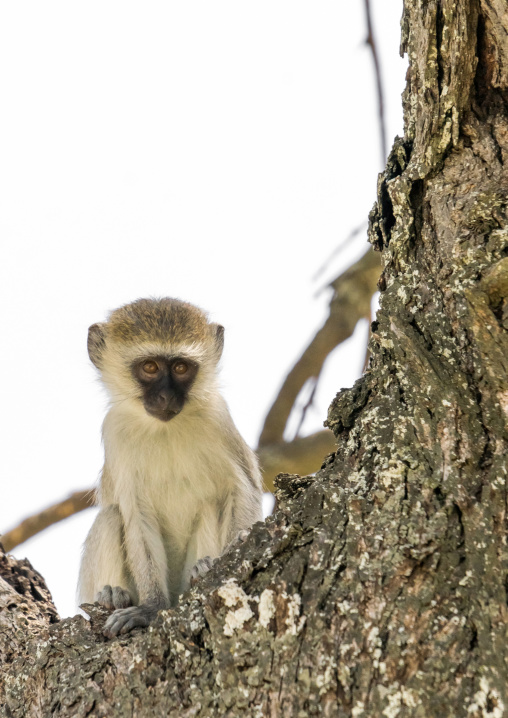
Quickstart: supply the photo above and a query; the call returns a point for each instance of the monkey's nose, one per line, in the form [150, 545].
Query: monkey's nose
[167, 404]
[163, 399]
[163, 405]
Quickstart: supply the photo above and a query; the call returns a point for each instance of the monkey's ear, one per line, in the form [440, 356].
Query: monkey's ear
[219, 338]
[96, 344]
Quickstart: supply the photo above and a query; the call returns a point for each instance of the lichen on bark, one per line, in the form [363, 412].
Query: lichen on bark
[379, 586]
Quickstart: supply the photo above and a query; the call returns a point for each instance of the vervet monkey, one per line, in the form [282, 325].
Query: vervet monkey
[179, 483]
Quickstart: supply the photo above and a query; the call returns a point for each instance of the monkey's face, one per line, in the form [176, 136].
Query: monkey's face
[165, 383]
[149, 353]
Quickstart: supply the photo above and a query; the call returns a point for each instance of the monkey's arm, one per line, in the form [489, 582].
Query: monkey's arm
[247, 498]
[146, 561]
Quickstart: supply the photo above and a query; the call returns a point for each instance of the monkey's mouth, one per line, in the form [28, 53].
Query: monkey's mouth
[162, 414]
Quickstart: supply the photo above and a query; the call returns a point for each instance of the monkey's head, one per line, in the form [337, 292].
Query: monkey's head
[157, 354]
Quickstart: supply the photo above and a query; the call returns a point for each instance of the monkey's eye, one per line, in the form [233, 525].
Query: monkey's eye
[180, 368]
[150, 367]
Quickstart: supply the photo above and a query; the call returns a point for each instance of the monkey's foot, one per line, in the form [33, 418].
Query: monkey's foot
[200, 568]
[124, 620]
[114, 597]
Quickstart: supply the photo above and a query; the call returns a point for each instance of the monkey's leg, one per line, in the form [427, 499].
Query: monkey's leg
[147, 562]
[104, 563]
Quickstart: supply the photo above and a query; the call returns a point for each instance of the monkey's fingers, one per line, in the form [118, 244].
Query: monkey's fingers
[116, 597]
[105, 597]
[121, 598]
[240, 537]
[200, 568]
[124, 620]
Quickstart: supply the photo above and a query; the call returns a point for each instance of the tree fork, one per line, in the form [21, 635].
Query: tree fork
[379, 586]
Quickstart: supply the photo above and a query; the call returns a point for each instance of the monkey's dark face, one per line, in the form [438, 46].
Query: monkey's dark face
[165, 384]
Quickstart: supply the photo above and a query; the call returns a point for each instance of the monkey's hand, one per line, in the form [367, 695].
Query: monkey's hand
[124, 620]
[203, 565]
[116, 597]
[240, 537]
[200, 568]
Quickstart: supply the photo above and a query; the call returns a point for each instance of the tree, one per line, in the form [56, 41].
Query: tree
[379, 587]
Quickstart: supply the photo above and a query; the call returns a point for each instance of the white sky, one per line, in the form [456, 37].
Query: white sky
[213, 151]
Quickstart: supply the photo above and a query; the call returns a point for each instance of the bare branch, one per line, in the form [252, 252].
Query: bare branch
[379, 85]
[76, 502]
[351, 302]
[307, 406]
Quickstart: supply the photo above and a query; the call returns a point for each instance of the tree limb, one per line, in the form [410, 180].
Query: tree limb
[32, 525]
[351, 302]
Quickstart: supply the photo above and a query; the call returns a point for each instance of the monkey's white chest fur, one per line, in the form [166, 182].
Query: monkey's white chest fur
[172, 471]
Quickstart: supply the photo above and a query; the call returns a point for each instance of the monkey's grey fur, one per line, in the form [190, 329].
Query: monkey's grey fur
[178, 483]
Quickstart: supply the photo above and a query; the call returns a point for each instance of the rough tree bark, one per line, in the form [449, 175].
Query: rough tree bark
[379, 588]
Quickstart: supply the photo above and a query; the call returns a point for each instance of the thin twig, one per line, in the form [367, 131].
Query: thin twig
[307, 405]
[347, 240]
[377, 69]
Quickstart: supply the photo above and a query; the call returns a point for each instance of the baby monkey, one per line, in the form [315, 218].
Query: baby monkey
[179, 483]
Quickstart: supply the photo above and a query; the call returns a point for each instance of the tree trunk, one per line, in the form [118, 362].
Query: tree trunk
[379, 588]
